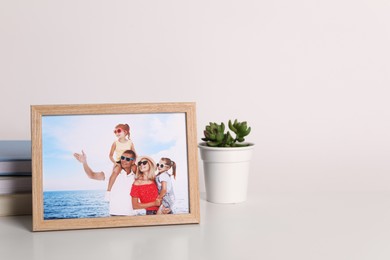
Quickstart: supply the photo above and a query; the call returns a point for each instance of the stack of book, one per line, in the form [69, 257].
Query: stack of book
[15, 178]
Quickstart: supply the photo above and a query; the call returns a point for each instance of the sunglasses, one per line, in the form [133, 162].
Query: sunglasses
[161, 165]
[143, 162]
[127, 158]
[117, 131]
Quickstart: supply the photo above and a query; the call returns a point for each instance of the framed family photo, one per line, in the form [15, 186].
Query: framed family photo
[114, 165]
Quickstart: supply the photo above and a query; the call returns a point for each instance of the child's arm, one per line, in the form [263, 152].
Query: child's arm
[138, 205]
[163, 190]
[111, 156]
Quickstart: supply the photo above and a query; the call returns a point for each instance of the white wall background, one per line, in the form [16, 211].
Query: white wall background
[311, 77]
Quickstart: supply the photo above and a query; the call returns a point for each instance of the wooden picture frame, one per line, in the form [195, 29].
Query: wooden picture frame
[66, 197]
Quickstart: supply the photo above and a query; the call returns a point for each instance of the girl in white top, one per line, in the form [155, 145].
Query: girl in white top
[165, 186]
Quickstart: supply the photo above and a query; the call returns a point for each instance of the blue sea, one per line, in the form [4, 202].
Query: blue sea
[86, 204]
[74, 204]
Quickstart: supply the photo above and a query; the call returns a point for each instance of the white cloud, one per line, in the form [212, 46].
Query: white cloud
[169, 129]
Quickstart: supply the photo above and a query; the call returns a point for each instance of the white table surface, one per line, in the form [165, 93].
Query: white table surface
[300, 226]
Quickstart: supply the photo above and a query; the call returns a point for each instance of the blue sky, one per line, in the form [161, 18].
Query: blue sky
[156, 135]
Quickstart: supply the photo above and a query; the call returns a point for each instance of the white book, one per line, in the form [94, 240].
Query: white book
[16, 204]
[15, 184]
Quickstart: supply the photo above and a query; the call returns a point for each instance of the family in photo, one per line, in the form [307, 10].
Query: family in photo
[137, 184]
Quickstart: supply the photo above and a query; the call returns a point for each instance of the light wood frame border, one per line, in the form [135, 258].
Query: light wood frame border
[37, 111]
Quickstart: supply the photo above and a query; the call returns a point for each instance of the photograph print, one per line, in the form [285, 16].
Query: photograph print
[105, 166]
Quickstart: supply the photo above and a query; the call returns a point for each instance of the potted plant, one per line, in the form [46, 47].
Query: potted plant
[226, 161]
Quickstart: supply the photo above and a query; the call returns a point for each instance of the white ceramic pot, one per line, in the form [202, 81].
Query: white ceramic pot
[226, 172]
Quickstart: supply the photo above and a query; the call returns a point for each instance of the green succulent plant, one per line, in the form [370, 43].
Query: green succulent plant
[215, 135]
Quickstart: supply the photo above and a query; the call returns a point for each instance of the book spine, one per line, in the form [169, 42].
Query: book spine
[16, 204]
[15, 184]
[15, 167]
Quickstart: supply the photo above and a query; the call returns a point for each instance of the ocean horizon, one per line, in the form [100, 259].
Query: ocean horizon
[72, 204]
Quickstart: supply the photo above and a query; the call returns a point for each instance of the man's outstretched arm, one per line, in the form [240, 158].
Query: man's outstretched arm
[90, 173]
